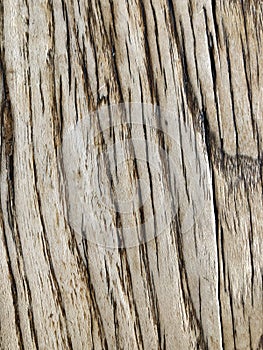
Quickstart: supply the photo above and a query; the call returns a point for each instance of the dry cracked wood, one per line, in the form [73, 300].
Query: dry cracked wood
[61, 60]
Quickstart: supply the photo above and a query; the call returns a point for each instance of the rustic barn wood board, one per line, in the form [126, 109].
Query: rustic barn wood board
[183, 75]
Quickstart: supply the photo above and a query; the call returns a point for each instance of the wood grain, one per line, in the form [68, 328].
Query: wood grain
[60, 61]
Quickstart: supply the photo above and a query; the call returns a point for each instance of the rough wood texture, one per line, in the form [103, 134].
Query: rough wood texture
[60, 60]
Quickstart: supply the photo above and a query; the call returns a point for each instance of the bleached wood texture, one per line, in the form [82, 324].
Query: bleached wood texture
[60, 60]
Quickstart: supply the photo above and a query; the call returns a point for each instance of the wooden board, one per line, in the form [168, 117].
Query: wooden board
[81, 264]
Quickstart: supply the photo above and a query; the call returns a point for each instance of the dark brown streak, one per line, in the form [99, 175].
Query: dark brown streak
[214, 14]
[192, 101]
[92, 298]
[211, 49]
[132, 303]
[190, 12]
[7, 130]
[209, 147]
[232, 312]
[113, 17]
[76, 99]
[249, 90]
[41, 93]
[13, 288]
[31, 314]
[194, 322]
[251, 243]
[149, 61]
[8, 136]
[128, 57]
[231, 92]
[45, 241]
[86, 81]
[116, 71]
[222, 246]
[68, 43]
[156, 35]
[46, 248]
[116, 323]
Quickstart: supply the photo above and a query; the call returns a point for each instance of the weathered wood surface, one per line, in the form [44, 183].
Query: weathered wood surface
[62, 59]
